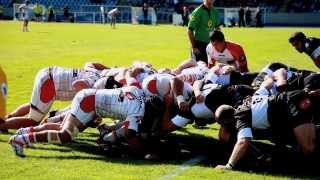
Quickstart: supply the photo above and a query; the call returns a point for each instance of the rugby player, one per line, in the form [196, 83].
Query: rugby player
[25, 10]
[308, 45]
[125, 104]
[221, 51]
[54, 83]
[287, 115]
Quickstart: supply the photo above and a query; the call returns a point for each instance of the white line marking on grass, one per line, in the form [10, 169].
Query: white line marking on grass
[183, 167]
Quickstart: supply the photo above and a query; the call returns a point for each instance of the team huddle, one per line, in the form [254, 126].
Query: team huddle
[146, 102]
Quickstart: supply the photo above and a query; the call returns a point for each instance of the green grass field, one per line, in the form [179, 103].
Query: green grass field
[71, 45]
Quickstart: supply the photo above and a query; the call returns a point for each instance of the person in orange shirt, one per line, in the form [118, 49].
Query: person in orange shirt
[221, 51]
[3, 94]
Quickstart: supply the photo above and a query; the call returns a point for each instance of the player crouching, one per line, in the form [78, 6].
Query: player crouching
[126, 104]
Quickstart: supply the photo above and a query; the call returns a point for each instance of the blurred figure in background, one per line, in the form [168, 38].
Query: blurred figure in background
[185, 16]
[25, 10]
[241, 17]
[248, 17]
[102, 14]
[37, 9]
[145, 13]
[259, 18]
[51, 14]
[66, 13]
[112, 14]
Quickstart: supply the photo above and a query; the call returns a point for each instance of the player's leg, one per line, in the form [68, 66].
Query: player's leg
[26, 26]
[306, 137]
[43, 96]
[42, 127]
[22, 110]
[23, 26]
[112, 22]
[65, 134]
[81, 113]
[129, 132]
[18, 122]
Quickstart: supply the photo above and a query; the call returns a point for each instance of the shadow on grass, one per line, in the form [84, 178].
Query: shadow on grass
[175, 148]
[53, 149]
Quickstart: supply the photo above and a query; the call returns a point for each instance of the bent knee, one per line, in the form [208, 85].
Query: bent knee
[65, 136]
[308, 149]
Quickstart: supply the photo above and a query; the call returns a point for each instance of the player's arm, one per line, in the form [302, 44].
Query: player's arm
[240, 148]
[191, 38]
[242, 60]
[193, 24]
[317, 61]
[225, 116]
[184, 65]
[280, 76]
[167, 125]
[177, 86]
[238, 153]
[197, 86]
[211, 60]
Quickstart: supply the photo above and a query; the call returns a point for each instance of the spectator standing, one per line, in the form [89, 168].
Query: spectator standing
[66, 13]
[241, 17]
[248, 17]
[145, 13]
[51, 14]
[259, 18]
[185, 16]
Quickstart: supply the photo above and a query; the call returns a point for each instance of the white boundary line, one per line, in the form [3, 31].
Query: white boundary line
[183, 167]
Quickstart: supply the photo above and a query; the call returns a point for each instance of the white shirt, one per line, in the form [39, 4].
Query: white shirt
[221, 57]
[120, 103]
[25, 10]
[259, 109]
[64, 77]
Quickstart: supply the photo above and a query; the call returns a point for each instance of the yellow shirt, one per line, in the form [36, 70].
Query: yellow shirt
[3, 93]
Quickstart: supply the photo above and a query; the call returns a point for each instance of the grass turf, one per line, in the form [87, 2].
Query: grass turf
[71, 45]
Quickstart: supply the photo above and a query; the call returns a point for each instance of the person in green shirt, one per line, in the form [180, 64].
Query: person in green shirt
[37, 9]
[203, 20]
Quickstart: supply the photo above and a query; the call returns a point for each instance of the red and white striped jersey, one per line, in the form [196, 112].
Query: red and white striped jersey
[120, 103]
[64, 77]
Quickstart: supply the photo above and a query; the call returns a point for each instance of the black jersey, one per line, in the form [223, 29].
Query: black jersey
[312, 45]
[284, 112]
